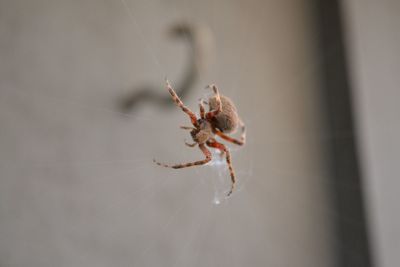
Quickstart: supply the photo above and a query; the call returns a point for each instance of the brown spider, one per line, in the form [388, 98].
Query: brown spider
[221, 119]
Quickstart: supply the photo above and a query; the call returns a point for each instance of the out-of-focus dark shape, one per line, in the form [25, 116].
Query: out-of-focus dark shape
[200, 42]
[352, 246]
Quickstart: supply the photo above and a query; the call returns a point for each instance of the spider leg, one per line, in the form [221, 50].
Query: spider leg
[190, 145]
[187, 128]
[180, 104]
[224, 149]
[222, 152]
[202, 109]
[213, 113]
[239, 142]
[205, 151]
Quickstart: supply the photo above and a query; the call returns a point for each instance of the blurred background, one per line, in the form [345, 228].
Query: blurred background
[83, 111]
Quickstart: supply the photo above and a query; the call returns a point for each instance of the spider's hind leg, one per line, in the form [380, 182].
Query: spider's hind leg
[225, 150]
[241, 141]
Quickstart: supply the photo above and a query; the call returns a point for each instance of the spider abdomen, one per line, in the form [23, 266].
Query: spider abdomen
[227, 120]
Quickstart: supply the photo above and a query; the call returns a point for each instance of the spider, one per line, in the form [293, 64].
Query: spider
[221, 119]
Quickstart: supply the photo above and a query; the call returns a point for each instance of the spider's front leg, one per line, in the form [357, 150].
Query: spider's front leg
[180, 104]
[225, 150]
[205, 151]
[218, 109]
[190, 145]
[202, 109]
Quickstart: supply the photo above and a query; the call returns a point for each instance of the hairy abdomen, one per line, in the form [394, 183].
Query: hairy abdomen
[227, 120]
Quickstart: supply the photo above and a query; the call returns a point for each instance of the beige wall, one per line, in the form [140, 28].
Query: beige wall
[77, 184]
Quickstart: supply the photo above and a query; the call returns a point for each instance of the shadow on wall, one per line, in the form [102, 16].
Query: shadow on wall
[200, 42]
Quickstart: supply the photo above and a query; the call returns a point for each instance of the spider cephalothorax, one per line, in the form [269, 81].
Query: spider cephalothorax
[202, 132]
[221, 118]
